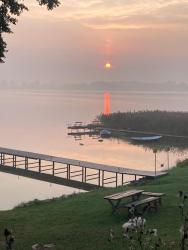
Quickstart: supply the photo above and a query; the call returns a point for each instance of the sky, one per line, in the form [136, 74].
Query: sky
[144, 40]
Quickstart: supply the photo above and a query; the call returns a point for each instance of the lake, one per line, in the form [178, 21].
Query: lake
[37, 121]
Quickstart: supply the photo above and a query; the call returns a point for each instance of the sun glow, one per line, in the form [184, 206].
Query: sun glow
[106, 103]
[108, 65]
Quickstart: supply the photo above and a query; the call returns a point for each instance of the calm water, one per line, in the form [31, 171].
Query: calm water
[36, 121]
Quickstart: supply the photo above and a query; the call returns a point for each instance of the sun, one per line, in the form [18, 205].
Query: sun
[108, 65]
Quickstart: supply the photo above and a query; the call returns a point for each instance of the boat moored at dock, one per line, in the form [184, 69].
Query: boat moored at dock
[146, 138]
[105, 133]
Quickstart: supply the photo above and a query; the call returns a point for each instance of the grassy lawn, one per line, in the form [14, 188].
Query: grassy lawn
[83, 221]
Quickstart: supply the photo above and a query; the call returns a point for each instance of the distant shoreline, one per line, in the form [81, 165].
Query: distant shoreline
[112, 86]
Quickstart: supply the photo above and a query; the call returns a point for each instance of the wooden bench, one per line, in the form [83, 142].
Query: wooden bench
[152, 202]
[159, 195]
[116, 199]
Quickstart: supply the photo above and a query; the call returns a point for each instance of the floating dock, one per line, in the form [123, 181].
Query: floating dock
[90, 126]
[67, 172]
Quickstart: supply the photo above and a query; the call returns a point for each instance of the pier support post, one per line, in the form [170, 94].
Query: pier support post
[39, 165]
[82, 174]
[116, 179]
[3, 161]
[26, 163]
[102, 178]
[85, 175]
[68, 171]
[14, 161]
[122, 179]
[1, 158]
[53, 168]
[135, 177]
[99, 181]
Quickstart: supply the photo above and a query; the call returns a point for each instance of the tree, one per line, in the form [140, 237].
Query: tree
[9, 11]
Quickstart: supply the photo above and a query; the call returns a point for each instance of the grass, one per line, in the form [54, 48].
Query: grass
[83, 221]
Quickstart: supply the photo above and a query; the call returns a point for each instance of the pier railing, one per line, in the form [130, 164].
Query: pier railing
[69, 172]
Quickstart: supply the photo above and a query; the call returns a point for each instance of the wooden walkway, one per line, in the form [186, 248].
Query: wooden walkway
[64, 171]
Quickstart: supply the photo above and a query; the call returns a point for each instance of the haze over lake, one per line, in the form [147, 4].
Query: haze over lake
[37, 121]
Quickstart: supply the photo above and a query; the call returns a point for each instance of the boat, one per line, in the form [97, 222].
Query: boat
[105, 133]
[146, 138]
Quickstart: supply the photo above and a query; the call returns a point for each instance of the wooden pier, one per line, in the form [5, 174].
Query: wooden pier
[81, 133]
[68, 172]
[90, 126]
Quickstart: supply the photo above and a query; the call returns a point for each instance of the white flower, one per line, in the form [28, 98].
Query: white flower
[137, 222]
[182, 231]
[127, 226]
[111, 236]
[140, 222]
[154, 232]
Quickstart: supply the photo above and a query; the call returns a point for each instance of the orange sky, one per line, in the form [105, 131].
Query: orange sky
[144, 40]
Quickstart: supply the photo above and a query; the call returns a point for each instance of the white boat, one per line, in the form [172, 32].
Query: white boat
[105, 133]
[146, 138]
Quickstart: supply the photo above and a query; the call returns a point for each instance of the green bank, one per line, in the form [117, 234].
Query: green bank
[83, 221]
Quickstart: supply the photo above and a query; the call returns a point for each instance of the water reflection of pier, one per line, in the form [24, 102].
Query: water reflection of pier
[68, 172]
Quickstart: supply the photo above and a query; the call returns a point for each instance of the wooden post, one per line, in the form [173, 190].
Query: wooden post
[39, 165]
[122, 179]
[68, 171]
[53, 169]
[102, 178]
[85, 174]
[14, 161]
[26, 163]
[1, 158]
[99, 181]
[135, 177]
[82, 174]
[116, 179]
